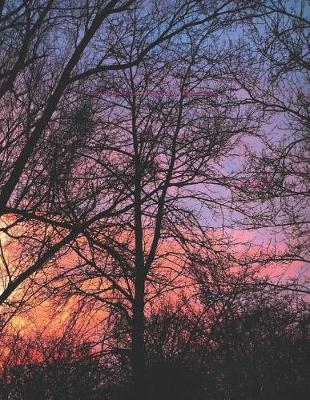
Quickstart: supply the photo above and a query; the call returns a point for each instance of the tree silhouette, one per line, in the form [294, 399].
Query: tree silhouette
[137, 143]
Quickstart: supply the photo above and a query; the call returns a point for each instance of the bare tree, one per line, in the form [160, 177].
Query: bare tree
[280, 164]
[55, 52]
[116, 154]
[169, 123]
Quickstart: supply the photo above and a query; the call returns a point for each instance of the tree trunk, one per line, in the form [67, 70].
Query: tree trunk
[138, 350]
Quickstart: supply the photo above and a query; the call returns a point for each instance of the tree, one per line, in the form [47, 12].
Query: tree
[51, 206]
[40, 79]
[167, 129]
[60, 367]
[115, 154]
[280, 167]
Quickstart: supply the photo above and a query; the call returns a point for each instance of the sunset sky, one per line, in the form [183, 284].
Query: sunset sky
[154, 199]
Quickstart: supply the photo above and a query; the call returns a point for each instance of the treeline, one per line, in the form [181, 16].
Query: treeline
[256, 350]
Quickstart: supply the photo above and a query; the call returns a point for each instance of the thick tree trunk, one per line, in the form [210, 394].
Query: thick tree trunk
[138, 349]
